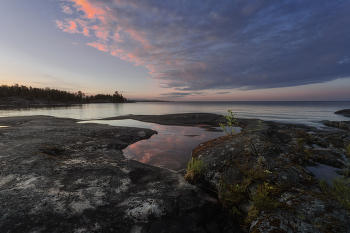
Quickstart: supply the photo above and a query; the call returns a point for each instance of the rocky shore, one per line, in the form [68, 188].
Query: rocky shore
[263, 177]
[60, 176]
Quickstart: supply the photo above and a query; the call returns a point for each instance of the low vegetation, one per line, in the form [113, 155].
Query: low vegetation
[195, 170]
[247, 198]
[340, 190]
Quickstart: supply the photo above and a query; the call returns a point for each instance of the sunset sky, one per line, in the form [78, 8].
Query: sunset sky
[231, 50]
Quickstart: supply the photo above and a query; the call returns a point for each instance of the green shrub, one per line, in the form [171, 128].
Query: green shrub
[195, 170]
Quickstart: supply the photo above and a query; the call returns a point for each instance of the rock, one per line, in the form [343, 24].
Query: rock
[344, 112]
[60, 176]
[338, 124]
[177, 119]
[281, 221]
[261, 178]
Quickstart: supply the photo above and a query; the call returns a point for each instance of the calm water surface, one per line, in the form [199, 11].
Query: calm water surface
[305, 112]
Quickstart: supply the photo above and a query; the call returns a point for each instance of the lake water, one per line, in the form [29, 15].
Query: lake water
[305, 112]
[172, 146]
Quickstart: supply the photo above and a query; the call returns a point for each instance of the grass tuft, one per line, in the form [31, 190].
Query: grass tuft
[195, 170]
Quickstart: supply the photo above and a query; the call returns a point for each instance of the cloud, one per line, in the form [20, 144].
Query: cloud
[200, 45]
[67, 9]
[180, 94]
[99, 46]
[222, 92]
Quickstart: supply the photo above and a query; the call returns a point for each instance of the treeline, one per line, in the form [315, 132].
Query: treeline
[115, 98]
[32, 93]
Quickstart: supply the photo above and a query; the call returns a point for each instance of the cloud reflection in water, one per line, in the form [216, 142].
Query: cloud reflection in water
[171, 147]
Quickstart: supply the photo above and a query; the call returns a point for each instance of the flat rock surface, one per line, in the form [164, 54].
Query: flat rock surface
[60, 176]
[176, 119]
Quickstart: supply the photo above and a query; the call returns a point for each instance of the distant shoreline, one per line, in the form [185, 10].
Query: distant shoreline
[24, 102]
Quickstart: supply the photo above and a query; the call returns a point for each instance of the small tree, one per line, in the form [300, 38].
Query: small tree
[231, 121]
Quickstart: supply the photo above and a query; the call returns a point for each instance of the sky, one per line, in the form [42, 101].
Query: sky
[198, 50]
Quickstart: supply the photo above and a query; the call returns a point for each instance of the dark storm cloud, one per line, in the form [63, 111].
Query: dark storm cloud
[199, 45]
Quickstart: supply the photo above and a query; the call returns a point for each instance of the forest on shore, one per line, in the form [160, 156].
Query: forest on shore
[48, 94]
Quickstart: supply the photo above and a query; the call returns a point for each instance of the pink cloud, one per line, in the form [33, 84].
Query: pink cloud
[72, 27]
[102, 33]
[89, 9]
[99, 18]
[99, 46]
[117, 38]
[59, 24]
[214, 52]
[83, 25]
[67, 9]
[69, 26]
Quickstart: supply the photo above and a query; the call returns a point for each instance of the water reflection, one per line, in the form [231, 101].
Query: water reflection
[171, 147]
